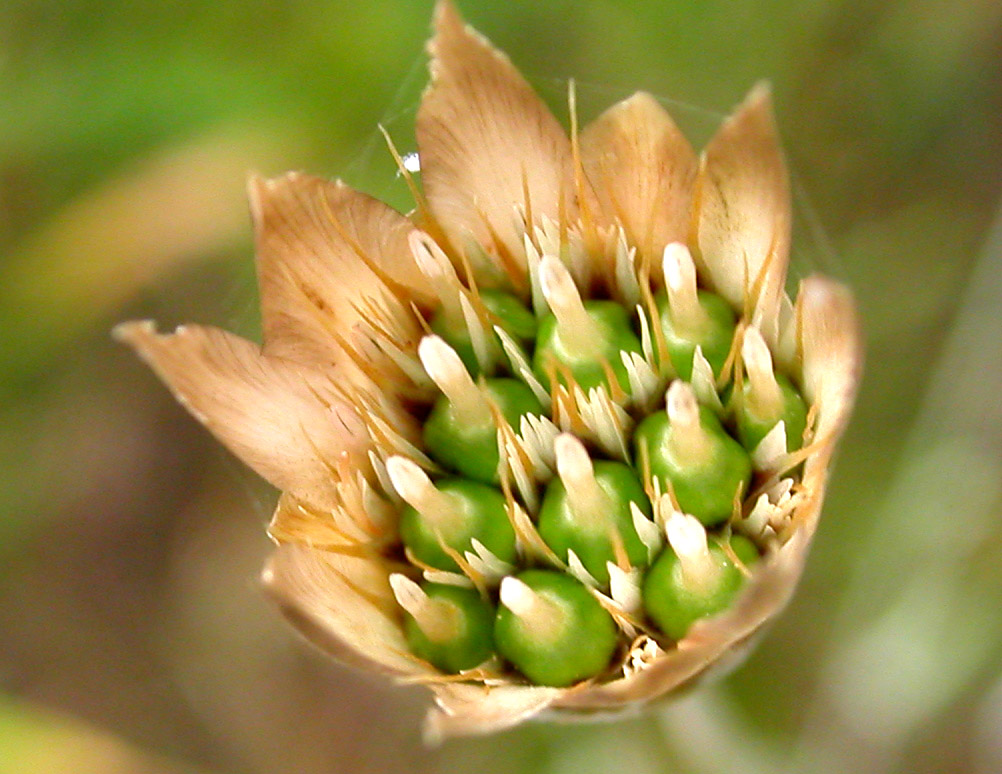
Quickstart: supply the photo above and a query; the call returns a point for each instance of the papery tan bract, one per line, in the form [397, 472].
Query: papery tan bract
[319, 408]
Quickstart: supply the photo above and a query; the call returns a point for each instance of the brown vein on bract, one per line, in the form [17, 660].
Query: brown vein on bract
[586, 218]
[509, 265]
[733, 356]
[399, 291]
[647, 295]
[616, 391]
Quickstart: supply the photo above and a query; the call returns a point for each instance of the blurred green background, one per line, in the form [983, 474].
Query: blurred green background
[133, 637]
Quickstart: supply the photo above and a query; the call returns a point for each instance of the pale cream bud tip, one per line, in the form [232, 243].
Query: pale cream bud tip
[681, 405]
[687, 538]
[680, 282]
[576, 328]
[444, 367]
[519, 598]
[419, 492]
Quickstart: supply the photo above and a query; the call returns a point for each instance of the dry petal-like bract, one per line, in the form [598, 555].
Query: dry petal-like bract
[537, 260]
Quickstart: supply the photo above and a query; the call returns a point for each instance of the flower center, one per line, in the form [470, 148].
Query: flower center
[596, 466]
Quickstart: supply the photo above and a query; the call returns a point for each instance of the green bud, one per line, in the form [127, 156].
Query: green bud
[686, 446]
[752, 429]
[693, 580]
[509, 314]
[552, 629]
[588, 505]
[713, 334]
[612, 335]
[580, 335]
[471, 448]
[457, 511]
[450, 627]
[766, 398]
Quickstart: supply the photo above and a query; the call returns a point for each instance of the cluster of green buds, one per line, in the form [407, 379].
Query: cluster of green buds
[540, 548]
[556, 441]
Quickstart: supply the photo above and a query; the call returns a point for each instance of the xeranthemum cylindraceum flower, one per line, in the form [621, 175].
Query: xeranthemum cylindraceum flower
[556, 442]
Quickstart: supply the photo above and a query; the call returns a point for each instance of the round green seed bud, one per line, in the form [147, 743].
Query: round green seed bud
[552, 629]
[471, 448]
[509, 313]
[587, 510]
[450, 627]
[687, 446]
[713, 334]
[677, 592]
[469, 511]
[766, 398]
[752, 429]
[580, 335]
[613, 334]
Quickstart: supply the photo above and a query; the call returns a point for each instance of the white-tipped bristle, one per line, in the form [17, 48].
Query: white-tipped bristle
[532, 259]
[410, 595]
[485, 562]
[687, 538]
[624, 587]
[408, 479]
[576, 568]
[680, 284]
[418, 491]
[764, 393]
[446, 369]
[703, 382]
[646, 530]
[588, 501]
[576, 328]
[771, 450]
[429, 257]
[626, 271]
[483, 345]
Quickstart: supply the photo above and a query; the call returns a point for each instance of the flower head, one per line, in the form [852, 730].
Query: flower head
[558, 441]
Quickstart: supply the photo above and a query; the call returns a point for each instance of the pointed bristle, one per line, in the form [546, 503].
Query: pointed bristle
[573, 463]
[408, 593]
[624, 587]
[646, 530]
[429, 257]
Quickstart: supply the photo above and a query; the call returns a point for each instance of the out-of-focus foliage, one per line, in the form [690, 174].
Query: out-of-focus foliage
[134, 636]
